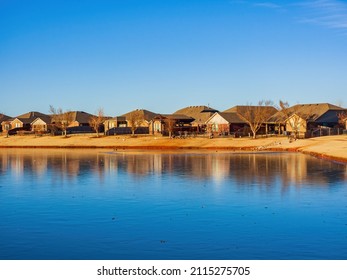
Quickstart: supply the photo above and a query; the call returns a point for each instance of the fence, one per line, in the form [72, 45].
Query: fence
[324, 131]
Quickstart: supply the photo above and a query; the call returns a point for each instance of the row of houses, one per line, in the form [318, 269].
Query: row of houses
[303, 120]
[36, 122]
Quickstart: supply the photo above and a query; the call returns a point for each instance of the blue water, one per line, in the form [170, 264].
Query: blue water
[108, 205]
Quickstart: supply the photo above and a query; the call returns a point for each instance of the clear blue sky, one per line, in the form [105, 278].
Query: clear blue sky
[163, 55]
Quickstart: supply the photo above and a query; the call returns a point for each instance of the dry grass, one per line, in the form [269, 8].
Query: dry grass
[333, 147]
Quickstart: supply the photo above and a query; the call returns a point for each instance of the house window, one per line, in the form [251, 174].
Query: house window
[18, 125]
[157, 126]
[215, 127]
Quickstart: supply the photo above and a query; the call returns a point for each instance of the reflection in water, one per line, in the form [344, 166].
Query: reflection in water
[245, 168]
[67, 204]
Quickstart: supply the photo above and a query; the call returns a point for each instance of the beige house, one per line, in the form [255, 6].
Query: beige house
[171, 124]
[5, 123]
[111, 124]
[200, 114]
[41, 124]
[143, 115]
[307, 120]
[225, 123]
[231, 122]
[138, 120]
[25, 121]
[80, 119]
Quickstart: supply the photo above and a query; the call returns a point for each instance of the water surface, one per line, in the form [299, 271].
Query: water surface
[108, 205]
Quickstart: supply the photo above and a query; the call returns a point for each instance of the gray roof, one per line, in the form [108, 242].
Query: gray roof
[242, 108]
[312, 112]
[29, 117]
[231, 117]
[81, 116]
[4, 117]
[174, 117]
[200, 114]
[145, 114]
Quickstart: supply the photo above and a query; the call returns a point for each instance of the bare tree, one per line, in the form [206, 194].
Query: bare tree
[61, 119]
[96, 121]
[285, 112]
[135, 119]
[256, 116]
[170, 125]
[342, 119]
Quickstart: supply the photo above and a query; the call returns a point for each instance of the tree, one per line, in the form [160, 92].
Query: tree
[135, 119]
[97, 120]
[256, 116]
[170, 125]
[61, 119]
[284, 111]
[342, 119]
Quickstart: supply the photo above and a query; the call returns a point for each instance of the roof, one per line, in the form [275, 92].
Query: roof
[312, 112]
[199, 113]
[231, 117]
[145, 114]
[174, 117]
[4, 118]
[29, 117]
[81, 116]
[46, 119]
[240, 108]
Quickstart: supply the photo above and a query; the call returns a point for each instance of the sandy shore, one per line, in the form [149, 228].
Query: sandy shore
[330, 147]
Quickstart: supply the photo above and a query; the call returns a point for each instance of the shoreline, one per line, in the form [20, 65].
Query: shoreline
[327, 147]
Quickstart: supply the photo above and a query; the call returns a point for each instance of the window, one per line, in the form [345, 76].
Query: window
[157, 126]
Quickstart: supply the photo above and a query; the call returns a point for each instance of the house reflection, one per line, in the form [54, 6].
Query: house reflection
[247, 169]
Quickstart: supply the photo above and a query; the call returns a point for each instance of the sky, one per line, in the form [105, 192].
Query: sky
[163, 55]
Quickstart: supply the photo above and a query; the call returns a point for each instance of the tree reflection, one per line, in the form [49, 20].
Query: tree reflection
[246, 169]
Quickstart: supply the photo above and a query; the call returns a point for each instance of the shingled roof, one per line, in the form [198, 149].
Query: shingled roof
[312, 112]
[29, 117]
[145, 114]
[231, 117]
[81, 117]
[242, 108]
[4, 117]
[174, 117]
[199, 113]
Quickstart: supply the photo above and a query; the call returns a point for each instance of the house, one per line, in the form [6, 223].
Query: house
[231, 121]
[200, 114]
[41, 124]
[307, 120]
[171, 124]
[143, 117]
[138, 121]
[224, 123]
[79, 122]
[80, 118]
[112, 125]
[5, 122]
[25, 122]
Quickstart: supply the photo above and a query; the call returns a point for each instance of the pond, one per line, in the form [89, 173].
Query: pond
[68, 204]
